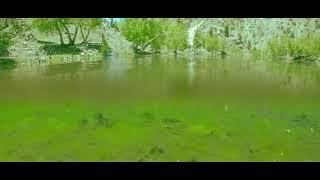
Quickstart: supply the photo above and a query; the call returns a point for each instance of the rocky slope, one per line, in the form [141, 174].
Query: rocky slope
[244, 34]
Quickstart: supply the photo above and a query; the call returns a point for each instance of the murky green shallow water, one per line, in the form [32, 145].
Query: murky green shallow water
[159, 109]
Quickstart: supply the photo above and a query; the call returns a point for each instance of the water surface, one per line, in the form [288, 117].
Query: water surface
[159, 108]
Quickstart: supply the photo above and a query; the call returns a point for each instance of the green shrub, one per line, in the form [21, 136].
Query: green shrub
[105, 48]
[142, 32]
[198, 41]
[303, 49]
[5, 41]
[176, 38]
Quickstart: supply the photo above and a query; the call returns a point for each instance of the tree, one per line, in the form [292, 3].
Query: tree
[176, 37]
[198, 40]
[142, 32]
[67, 25]
[5, 22]
[5, 41]
[8, 29]
[13, 26]
[212, 44]
[51, 25]
[105, 48]
[75, 24]
[226, 31]
[86, 25]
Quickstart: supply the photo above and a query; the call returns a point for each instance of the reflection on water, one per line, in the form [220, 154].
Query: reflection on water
[191, 71]
[117, 67]
[7, 64]
[159, 75]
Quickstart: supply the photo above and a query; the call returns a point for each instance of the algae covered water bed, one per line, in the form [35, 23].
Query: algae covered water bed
[155, 108]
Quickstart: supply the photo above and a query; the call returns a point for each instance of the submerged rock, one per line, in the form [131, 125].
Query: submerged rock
[300, 117]
[175, 126]
[303, 120]
[228, 134]
[193, 160]
[141, 159]
[288, 131]
[172, 121]
[100, 120]
[211, 133]
[98, 115]
[149, 116]
[84, 122]
[156, 150]
[252, 115]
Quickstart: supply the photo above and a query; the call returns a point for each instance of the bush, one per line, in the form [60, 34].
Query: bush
[143, 32]
[198, 40]
[105, 48]
[176, 38]
[114, 26]
[5, 41]
[303, 49]
[212, 43]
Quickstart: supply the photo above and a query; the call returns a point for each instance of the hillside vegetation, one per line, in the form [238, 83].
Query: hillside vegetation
[285, 39]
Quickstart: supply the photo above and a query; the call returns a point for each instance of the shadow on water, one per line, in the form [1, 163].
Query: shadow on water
[7, 64]
[63, 69]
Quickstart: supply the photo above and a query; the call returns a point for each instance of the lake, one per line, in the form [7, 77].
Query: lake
[159, 108]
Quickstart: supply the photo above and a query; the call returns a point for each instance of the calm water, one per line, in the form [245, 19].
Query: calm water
[157, 108]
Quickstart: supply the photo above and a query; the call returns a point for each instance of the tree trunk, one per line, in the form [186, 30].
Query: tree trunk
[68, 34]
[136, 49]
[60, 35]
[75, 35]
[85, 37]
[82, 35]
[148, 43]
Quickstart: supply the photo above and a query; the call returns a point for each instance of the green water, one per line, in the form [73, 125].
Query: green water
[156, 108]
